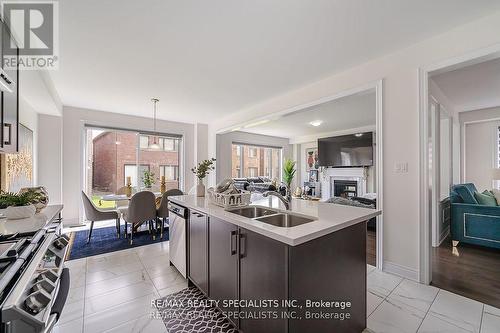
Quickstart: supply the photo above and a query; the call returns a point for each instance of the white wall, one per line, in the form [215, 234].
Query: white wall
[63, 140]
[50, 156]
[224, 149]
[400, 72]
[201, 133]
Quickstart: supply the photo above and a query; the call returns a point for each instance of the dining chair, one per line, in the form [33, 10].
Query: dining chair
[162, 211]
[94, 214]
[141, 209]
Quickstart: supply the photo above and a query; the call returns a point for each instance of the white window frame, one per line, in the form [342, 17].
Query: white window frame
[269, 156]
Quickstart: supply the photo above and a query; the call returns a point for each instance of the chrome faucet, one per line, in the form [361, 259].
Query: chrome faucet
[284, 200]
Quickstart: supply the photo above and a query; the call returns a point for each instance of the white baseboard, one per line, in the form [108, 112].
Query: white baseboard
[74, 222]
[403, 271]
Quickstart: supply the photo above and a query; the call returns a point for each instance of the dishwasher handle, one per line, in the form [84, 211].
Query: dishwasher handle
[177, 210]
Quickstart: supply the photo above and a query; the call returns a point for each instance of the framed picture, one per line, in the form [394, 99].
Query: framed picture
[7, 134]
[312, 162]
[313, 176]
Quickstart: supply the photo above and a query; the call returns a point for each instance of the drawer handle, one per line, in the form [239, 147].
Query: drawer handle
[232, 247]
[243, 245]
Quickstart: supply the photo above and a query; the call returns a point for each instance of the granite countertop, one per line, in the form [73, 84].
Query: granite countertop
[329, 217]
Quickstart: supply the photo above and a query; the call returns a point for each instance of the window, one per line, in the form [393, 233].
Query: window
[111, 156]
[130, 170]
[253, 172]
[171, 172]
[252, 152]
[144, 142]
[256, 161]
[169, 144]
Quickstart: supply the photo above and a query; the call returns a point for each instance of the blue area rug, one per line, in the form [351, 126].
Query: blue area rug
[104, 240]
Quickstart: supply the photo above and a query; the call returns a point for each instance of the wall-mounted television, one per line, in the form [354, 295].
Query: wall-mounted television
[353, 150]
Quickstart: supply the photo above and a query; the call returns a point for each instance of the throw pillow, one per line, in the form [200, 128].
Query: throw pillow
[496, 194]
[484, 199]
[466, 195]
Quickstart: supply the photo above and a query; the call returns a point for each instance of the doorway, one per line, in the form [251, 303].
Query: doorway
[460, 112]
[301, 127]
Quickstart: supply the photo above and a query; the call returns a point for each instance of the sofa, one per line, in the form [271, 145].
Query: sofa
[471, 222]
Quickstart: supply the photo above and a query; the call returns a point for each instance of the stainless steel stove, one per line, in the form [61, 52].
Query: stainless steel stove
[33, 281]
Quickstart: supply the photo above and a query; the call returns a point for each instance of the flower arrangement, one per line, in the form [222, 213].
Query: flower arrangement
[203, 168]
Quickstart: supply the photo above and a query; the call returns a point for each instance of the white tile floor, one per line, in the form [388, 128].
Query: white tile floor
[113, 293]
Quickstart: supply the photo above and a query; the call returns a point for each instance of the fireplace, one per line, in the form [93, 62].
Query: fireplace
[345, 188]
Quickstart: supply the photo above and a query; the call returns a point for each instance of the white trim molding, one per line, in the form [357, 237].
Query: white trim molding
[474, 57]
[400, 270]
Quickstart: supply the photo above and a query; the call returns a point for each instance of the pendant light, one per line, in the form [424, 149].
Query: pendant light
[154, 145]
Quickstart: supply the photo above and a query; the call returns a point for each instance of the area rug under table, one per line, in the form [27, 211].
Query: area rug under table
[104, 240]
[184, 312]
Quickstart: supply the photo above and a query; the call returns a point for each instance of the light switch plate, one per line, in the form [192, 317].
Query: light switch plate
[401, 167]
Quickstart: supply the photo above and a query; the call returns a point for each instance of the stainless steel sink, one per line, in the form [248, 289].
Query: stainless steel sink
[253, 212]
[285, 220]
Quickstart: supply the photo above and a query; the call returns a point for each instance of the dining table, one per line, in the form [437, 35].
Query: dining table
[119, 197]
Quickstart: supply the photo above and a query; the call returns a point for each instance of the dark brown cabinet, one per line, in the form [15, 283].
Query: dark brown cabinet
[233, 263]
[198, 250]
[263, 276]
[9, 101]
[223, 258]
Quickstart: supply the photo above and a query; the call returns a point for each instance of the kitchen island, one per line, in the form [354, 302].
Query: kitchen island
[309, 276]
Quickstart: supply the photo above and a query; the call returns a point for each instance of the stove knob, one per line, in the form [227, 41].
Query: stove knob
[36, 302]
[61, 242]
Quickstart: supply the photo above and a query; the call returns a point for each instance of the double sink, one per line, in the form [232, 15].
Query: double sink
[271, 216]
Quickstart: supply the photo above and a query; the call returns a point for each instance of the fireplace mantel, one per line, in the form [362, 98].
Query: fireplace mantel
[353, 174]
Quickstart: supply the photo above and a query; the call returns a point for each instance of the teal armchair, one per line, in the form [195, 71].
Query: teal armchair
[471, 222]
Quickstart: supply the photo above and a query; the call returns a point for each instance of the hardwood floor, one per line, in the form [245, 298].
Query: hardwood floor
[473, 272]
[371, 247]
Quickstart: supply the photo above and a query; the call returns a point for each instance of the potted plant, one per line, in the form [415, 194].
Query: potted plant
[148, 179]
[288, 174]
[18, 206]
[201, 171]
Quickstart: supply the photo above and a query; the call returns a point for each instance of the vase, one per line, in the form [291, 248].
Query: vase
[200, 188]
[128, 190]
[163, 185]
[20, 212]
[42, 196]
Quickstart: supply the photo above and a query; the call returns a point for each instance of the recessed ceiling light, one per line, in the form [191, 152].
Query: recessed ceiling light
[358, 135]
[316, 123]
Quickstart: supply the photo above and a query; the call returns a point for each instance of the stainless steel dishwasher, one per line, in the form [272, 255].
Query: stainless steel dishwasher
[177, 216]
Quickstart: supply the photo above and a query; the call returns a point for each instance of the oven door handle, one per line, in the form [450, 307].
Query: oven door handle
[62, 295]
[52, 322]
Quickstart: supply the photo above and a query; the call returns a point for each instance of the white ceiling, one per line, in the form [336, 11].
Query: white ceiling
[342, 114]
[206, 59]
[472, 87]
